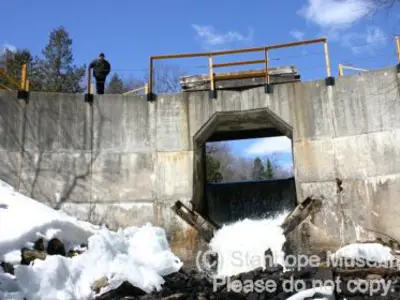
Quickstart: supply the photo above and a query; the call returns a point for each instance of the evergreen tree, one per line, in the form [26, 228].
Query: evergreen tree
[13, 62]
[57, 70]
[258, 172]
[116, 85]
[269, 173]
[213, 166]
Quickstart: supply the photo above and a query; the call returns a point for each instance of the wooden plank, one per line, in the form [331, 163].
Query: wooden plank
[239, 79]
[205, 228]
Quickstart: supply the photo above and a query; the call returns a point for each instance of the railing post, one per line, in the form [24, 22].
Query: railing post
[329, 80]
[89, 95]
[23, 77]
[150, 94]
[398, 53]
[212, 92]
[22, 91]
[268, 86]
[340, 70]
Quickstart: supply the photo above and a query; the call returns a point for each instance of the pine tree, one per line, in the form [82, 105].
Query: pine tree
[213, 166]
[13, 62]
[57, 69]
[269, 173]
[116, 85]
[258, 170]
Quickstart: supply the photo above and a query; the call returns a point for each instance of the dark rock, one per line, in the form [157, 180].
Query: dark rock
[124, 290]
[55, 247]
[39, 245]
[252, 296]
[7, 267]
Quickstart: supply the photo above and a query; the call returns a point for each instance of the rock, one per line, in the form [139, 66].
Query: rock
[99, 284]
[39, 245]
[72, 253]
[28, 255]
[7, 267]
[55, 247]
[124, 290]
[373, 277]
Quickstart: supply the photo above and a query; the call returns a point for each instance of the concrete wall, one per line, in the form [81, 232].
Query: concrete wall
[229, 202]
[125, 160]
[346, 148]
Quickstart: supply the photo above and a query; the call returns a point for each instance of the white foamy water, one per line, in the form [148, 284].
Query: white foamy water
[241, 246]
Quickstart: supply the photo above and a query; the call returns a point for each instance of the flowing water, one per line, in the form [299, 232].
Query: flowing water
[241, 246]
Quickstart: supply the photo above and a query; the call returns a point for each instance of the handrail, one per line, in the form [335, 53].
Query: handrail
[144, 88]
[22, 85]
[342, 67]
[212, 65]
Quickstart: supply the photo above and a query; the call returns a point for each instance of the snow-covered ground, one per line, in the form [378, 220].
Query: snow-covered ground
[241, 246]
[139, 255]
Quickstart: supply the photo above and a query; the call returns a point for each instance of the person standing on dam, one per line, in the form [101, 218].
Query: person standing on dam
[101, 68]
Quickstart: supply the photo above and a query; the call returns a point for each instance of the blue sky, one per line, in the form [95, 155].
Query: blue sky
[128, 32]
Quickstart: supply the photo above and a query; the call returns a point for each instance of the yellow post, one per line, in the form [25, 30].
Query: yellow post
[266, 67]
[146, 88]
[150, 87]
[210, 64]
[23, 77]
[398, 48]
[91, 89]
[340, 70]
[89, 83]
[27, 85]
[327, 61]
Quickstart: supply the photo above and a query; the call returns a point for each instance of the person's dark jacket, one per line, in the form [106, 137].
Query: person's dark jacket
[101, 69]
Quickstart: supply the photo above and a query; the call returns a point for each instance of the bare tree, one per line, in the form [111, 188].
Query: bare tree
[166, 78]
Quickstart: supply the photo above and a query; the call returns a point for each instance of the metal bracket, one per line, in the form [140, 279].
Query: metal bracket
[151, 97]
[212, 94]
[22, 94]
[268, 89]
[330, 81]
[89, 98]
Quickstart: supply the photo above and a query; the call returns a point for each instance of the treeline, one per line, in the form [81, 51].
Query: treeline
[55, 71]
[222, 165]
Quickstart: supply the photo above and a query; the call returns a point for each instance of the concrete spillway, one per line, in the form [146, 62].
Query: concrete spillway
[125, 161]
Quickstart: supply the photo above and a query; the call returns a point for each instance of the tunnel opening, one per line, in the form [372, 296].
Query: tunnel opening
[230, 183]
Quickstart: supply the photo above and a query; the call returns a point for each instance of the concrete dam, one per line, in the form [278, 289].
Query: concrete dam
[125, 161]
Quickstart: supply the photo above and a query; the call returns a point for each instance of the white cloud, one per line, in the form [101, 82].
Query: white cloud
[368, 42]
[8, 46]
[335, 13]
[210, 37]
[297, 34]
[270, 145]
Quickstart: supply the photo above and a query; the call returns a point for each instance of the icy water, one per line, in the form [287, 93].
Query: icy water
[241, 246]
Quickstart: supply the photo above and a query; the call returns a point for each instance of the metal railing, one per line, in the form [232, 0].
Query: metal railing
[343, 67]
[137, 90]
[13, 83]
[211, 65]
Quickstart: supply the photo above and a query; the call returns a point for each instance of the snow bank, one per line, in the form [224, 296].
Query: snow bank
[326, 291]
[241, 246]
[23, 220]
[373, 252]
[138, 255]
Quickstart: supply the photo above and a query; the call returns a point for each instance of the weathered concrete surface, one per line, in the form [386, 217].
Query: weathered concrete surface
[125, 161]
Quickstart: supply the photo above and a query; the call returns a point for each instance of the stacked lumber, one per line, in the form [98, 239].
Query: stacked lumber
[240, 80]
